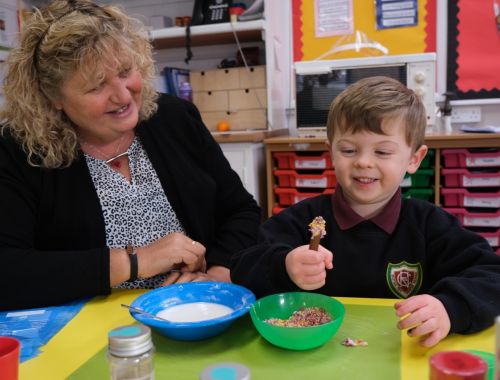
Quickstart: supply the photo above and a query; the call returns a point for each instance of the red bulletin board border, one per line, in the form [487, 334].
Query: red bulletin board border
[430, 26]
[297, 30]
[473, 50]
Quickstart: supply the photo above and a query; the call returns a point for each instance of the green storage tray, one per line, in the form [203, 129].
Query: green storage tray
[425, 194]
[421, 178]
[428, 161]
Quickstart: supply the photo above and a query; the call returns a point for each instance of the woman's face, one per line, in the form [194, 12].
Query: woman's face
[102, 109]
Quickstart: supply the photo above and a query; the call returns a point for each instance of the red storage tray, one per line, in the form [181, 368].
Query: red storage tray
[292, 160]
[464, 198]
[463, 158]
[290, 178]
[493, 238]
[475, 219]
[289, 197]
[466, 178]
[277, 209]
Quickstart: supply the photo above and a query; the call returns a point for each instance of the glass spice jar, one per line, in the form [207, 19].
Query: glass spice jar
[130, 353]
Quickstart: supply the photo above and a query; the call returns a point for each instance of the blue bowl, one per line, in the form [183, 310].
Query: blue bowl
[236, 297]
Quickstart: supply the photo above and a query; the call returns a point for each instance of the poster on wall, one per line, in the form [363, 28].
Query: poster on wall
[396, 13]
[333, 17]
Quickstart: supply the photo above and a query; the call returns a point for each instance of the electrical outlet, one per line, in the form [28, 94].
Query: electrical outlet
[466, 114]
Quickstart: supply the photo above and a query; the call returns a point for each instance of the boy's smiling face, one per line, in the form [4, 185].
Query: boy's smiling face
[370, 167]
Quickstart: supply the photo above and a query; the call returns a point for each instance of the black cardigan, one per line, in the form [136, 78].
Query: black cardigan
[52, 236]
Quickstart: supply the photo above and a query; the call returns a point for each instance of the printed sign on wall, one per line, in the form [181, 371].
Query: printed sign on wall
[396, 13]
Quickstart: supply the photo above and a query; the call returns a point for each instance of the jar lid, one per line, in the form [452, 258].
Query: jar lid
[130, 340]
[226, 371]
[457, 365]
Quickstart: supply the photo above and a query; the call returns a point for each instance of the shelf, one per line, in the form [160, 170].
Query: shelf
[210, 34]
[435, 140]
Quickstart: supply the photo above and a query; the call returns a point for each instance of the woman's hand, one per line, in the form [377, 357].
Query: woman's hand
[173, 251]
[307, 268]
[215, 273]
[427, 318]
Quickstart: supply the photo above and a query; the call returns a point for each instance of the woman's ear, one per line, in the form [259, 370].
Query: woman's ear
[57, 105]
[416, 159]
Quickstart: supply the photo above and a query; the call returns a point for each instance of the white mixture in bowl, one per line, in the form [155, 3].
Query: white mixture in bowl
[194, 312]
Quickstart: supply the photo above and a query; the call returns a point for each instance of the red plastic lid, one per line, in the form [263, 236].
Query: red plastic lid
[457, 365]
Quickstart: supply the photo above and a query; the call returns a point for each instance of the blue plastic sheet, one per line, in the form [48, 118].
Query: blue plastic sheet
[35, 327]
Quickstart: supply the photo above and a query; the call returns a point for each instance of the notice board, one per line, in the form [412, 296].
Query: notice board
[473, 50]
[308, 45]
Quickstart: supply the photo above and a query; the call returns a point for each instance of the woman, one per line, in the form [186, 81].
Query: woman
[104, 183]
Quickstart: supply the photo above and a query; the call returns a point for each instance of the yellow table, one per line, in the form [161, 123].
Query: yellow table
[83, 340]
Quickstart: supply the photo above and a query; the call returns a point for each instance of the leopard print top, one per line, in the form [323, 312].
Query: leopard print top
[137, 212]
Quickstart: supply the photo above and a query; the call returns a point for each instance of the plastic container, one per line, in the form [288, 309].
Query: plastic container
[464, 198]
[304, 160]
[467, 178]
[130, 353]
[277, 209]
[9, 358]
[424, 194]
[291, 178]
[223, 371]
[282, 306]
[475, 219]
[421, 178]
[289, 196]
[457, 365]
[465, 158]
[492, 237]
[428, 161]
[185, 91]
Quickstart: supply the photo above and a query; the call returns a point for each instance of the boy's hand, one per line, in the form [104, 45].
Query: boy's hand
[307, 268]
[427, 318]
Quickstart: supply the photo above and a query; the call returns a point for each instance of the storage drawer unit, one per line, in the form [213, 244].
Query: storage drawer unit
[471, 178]
[460, 197]
[294, 160]
[237, 95]
[292, 178]
[468, 158]
[493, 237]
[284, 152]
[474, 218]
[290, 196]
[428, 161]
[421, 178]
[424, 194]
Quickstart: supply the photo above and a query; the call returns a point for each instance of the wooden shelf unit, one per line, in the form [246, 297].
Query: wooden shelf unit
[210, 34]
[434, 141]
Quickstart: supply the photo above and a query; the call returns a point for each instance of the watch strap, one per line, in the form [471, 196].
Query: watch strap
[134, 267]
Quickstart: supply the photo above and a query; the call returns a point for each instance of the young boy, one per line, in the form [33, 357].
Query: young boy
[378, 244]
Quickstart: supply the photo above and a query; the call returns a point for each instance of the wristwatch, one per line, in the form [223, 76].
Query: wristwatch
[134, 268]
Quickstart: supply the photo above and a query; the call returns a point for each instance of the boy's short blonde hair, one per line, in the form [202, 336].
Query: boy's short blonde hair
[366, 103]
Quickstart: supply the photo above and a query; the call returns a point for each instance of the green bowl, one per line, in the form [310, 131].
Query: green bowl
[296, 338]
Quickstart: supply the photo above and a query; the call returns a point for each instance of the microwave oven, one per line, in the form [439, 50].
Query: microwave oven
[317, 83]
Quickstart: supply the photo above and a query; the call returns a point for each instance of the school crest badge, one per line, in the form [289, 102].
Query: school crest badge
[404, 279]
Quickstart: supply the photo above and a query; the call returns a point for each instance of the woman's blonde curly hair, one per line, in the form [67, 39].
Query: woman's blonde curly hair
[66, 37]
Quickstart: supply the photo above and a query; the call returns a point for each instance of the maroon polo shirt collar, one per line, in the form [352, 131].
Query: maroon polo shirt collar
[346, 217]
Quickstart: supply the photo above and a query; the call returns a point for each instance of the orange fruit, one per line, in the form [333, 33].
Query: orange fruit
[223, 126]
